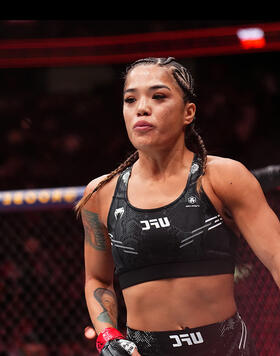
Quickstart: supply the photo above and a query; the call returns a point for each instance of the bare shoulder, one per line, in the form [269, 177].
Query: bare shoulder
[102, 197]
[230, 178]
[94, 183]
[227, 166]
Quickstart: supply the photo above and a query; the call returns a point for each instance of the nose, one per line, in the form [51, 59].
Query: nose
[143, 108]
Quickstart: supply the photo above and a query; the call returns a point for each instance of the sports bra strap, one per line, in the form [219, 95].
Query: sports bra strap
[121, 187]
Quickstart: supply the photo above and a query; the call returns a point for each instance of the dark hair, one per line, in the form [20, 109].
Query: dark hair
[192, 139]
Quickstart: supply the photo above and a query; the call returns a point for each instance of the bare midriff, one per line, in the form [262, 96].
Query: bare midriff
[177, 303]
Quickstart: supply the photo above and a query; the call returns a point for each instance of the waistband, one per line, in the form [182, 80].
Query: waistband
[207, 329]
[228, 334]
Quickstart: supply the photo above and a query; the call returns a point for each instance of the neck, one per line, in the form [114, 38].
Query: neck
[161, 163]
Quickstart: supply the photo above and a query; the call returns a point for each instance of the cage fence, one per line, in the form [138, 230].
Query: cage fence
[42, 286]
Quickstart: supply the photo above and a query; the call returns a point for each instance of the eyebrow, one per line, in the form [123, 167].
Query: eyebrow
[154, 87]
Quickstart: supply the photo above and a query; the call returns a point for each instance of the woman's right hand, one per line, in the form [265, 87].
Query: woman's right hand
[119, 347]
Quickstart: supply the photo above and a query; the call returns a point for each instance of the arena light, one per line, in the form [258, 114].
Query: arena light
[85, 51]
[251, 37]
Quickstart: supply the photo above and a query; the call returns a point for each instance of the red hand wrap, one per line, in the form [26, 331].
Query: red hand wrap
[106, 335]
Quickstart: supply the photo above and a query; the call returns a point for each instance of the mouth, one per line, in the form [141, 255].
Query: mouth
[142, 126]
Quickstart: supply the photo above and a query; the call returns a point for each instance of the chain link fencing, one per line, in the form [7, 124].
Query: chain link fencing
[43, 309]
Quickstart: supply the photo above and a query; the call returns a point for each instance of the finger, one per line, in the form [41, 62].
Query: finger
[135, 353]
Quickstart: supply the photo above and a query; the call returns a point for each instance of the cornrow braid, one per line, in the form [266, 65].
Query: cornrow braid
[180, 73]
[128, 162]
[194, 141]
[185, 81]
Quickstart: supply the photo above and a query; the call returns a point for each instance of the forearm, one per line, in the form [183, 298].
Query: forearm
[102, 305]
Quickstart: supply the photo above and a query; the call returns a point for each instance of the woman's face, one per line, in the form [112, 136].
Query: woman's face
[154, 111]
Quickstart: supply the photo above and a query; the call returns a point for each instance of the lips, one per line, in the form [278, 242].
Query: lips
[142, 125]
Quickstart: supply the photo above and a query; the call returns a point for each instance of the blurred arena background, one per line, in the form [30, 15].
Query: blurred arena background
[61, 126]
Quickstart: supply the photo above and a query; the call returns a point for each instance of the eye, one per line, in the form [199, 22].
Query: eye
[129, 100]
[159, 96]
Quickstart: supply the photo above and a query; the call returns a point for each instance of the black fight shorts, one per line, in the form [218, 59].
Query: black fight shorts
[227, 338]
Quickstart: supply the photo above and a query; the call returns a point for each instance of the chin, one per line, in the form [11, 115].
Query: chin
[142, 143]
[147, 146]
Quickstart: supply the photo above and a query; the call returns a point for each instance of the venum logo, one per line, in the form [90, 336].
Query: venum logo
[194, 168]
[125, 177]
[190, 339]
[119, 213]
[157, 223]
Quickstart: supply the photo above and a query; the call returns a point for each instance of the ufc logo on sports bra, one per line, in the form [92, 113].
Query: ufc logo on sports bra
[190, 339]
[157, 223]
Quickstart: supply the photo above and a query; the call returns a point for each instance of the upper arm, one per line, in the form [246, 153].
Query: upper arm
[243, 196]
[97, 246]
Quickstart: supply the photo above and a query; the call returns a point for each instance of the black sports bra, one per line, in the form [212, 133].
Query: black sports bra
[184, 238]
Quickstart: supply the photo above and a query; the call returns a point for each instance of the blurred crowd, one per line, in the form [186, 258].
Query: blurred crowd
[52, 139]
[59, 139]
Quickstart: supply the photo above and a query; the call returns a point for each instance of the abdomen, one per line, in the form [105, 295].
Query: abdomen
[177, 303]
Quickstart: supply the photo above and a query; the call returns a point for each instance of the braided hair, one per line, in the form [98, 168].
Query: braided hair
[192, 139]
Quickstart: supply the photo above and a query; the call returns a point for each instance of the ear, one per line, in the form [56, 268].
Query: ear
[189, 113]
